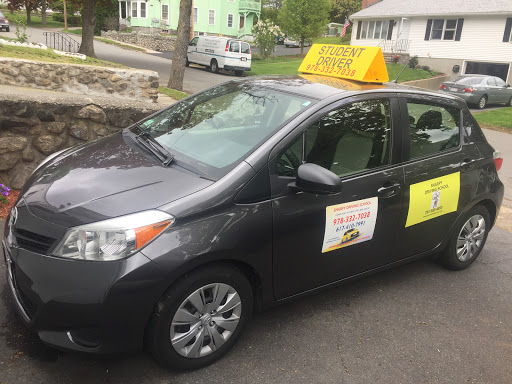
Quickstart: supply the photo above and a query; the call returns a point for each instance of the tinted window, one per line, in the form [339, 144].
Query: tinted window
[246, 48]
[194, 41]
[214, 130]
[351, 139]
[433, 128]
[234, 46]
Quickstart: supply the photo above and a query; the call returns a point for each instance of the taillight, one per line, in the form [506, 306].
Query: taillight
[442, 86]
[469, 90]
[498, 160]
[227, 47]
[250, 49]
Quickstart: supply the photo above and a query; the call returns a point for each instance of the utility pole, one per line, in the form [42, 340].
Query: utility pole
[192, 21]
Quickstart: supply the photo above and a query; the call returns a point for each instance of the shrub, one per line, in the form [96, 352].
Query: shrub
[73, 20]
[111, 23]
[413, 62]
[265, 33]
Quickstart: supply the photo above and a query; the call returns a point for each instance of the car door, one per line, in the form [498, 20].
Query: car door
[440, 177]
[505, 92]
[493, 95]
[321, 239]
[192, 50]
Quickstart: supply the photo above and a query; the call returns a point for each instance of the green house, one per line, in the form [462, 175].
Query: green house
[211, 17]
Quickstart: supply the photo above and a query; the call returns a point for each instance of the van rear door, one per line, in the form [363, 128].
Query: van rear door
[235, 58]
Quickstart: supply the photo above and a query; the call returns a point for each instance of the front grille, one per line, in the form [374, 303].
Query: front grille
[32, 241]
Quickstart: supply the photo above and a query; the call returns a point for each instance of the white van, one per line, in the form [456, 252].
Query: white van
[220, 53]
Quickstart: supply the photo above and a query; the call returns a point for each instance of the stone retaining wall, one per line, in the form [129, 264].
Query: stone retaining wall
[83, 79]
[145, 40]
[30, 130]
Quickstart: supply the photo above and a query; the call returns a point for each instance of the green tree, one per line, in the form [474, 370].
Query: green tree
[265, 33]
[342, 9]
[29, 5]
[304, 19]
[270, 10]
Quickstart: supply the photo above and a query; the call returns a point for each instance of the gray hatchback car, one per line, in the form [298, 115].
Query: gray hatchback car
[479, 90]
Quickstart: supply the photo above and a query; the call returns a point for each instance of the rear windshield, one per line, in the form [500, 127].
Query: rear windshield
[215, 130]
[468, 80]
[246, 48]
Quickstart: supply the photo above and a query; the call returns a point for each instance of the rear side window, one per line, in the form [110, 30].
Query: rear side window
[234, 46]
[246, 48]
[433, 128]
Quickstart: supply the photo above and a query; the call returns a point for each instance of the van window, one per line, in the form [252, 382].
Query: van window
[234, 46]
[246, 48]
[212, 132]
[193, 42]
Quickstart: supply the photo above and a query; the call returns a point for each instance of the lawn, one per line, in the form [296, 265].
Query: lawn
[48, 55]
[498, 118]
[36, 21]
[289, 65]
[176, 95]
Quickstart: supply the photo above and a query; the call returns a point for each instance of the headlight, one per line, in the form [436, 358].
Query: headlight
[113, 239]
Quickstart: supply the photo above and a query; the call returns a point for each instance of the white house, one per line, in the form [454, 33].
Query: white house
[454, 37]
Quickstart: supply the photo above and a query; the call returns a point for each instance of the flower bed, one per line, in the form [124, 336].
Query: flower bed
[10, 198]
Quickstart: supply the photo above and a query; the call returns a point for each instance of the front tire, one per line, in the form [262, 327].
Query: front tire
[214, 66]
[200, 318]
[482, 102]
[468, 239]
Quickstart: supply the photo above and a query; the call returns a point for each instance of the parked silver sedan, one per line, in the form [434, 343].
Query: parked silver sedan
[479, 90]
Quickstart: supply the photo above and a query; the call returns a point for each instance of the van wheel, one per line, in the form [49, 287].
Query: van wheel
[187, 63]
[199, 318]
[467, 239]
[239, 73]
[214, 66]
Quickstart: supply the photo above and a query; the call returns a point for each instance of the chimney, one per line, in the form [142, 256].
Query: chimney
[367, 3]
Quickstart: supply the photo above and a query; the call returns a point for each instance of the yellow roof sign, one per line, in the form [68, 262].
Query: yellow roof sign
[346, 61]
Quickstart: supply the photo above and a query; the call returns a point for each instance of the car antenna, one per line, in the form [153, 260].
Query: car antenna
[400, 74]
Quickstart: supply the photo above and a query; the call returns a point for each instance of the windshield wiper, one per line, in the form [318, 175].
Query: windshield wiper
[149, 142]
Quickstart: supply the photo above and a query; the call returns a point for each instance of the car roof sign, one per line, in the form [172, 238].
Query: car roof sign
[365, 64]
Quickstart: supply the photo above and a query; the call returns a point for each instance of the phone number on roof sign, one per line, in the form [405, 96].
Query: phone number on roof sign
[333, 70]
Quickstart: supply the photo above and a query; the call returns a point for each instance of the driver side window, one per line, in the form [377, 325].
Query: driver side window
[347, 140]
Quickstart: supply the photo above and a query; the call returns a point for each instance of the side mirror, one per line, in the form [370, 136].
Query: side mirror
[313, 178]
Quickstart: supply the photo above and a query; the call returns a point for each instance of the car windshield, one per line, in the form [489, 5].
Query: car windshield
[215, 130]
[2, 15]
[468, 80]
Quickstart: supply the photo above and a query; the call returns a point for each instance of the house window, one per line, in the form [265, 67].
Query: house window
[443, 29]
[195, 14]
[374, 29]
[165, 12]
[143, 10]
[135, 9]
[211, 17]
[230, 20]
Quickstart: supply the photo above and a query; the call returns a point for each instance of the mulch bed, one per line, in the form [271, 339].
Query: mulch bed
[6, 208]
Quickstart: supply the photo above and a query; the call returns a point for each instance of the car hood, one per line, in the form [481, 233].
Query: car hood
[108, 178]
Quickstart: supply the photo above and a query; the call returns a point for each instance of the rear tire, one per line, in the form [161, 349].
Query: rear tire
[467, 239]
[239, 73]
[214, 66]
[482, 102]
[200, 317]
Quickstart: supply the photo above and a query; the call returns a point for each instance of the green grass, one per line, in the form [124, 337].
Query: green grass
[77, 31]
[48, 55]
[177, 95]
[499, 118]
[36, 21]
[289, 65]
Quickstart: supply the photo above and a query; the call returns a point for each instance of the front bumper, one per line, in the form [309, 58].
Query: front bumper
[97, 307]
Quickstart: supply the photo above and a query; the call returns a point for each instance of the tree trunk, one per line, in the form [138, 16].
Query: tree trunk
[65, 16]
[43, 12]
[301, 46]
[180, 51]
[88, 24]
[29, 10]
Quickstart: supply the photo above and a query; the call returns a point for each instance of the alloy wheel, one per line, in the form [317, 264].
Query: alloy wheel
[205, 320]
[470, 238]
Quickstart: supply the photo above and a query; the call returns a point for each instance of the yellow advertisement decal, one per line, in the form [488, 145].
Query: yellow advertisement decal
[433, 198]
[346, 61]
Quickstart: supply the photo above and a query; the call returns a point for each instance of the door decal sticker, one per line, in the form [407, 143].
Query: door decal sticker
[349, 223]
[433, 198]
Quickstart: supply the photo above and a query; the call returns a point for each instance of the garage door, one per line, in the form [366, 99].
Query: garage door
[491, 69]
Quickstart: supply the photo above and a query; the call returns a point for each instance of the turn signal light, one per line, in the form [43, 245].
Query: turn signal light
[147, 233]
[498, 160]
[442, 86]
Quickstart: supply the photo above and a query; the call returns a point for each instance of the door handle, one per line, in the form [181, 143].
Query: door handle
[467, 163]
[388, 190]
